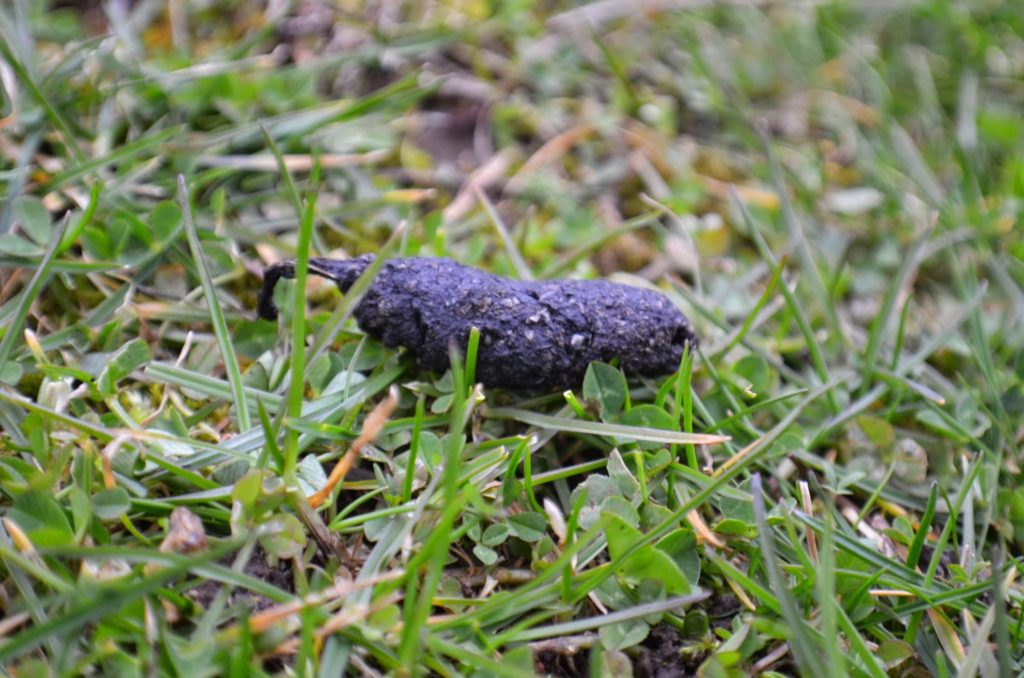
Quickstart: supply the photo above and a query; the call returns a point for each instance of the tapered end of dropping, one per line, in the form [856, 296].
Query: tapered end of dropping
[271, 274]
[342, 271]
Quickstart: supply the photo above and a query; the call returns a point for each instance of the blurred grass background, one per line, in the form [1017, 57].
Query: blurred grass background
[830, 190]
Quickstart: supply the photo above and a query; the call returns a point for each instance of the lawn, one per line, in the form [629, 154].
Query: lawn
[830, 485]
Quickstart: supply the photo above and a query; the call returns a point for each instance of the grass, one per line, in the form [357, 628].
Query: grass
[829, 486]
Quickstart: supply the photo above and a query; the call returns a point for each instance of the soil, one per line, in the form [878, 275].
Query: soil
[660, 655]
[722, 609]
[280, 576]
[559, 664]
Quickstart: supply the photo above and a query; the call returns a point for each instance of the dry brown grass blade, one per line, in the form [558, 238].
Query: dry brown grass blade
[736, 458]
[11, 284]
[262, 621]
[293, 162]
[375, 421]
[482, 178]
[808, 506]
[703, 532]
[553, 149]
[338, 622]
[12, 623]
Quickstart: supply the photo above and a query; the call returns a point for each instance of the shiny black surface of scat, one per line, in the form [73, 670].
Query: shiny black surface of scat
[533, 335]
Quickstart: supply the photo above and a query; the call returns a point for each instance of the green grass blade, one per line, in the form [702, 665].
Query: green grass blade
[31, 292]
[602, 429]
[220, 325]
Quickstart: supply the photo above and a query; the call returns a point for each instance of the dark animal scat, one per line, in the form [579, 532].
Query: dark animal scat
[539, 334]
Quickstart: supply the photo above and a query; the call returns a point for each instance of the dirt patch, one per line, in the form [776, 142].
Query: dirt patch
[722, 609]
[660, 656]
[559, 664]
[257, 567]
